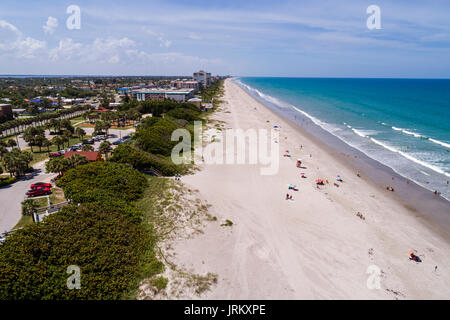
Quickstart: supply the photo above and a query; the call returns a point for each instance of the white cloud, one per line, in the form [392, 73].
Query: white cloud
[51, 25]
[66, 50]
[100, 50]
[15, 44]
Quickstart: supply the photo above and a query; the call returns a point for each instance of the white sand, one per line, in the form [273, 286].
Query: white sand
[315, 247]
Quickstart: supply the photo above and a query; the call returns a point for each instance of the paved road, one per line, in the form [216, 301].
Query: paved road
[11, 196]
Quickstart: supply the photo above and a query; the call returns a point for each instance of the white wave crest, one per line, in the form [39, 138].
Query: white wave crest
[447, 145]
[409, 157]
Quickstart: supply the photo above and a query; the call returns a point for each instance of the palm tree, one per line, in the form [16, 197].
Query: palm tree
[105, 148]
[76, 160]
[80, 133]
[55, 165]
[58, 141]
[46, 144]
[39, 141]
[87, 147]
[66, 136]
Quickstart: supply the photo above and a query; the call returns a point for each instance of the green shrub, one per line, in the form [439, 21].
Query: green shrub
[7, 181]
[142, 160]
[186, 114]
[159, 282]
[101, 181]
[156, 138]
[109, 248]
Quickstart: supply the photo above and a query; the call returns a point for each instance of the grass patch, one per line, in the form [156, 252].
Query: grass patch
[24, 221]
[57, 196]
[159, 283]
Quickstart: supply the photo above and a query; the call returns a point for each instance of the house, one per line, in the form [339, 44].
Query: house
[196, 101]
[91, 156]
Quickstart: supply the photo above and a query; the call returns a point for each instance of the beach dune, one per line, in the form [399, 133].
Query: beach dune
[314, 247]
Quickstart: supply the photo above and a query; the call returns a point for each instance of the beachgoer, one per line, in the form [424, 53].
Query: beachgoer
[357, 173]
[290, 197]
[287, 196]
[435, 268]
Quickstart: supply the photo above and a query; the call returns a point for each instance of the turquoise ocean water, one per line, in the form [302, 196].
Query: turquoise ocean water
[402, 123]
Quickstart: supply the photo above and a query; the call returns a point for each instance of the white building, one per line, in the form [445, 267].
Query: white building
[203, 77]
[181, 95]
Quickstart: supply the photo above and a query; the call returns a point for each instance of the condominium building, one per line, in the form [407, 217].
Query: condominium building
[181, 95]
[203, 77]
[185, 84]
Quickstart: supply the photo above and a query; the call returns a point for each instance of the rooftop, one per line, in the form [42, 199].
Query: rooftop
[90, 155]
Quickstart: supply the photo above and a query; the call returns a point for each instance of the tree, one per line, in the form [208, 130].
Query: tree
[55, 165]
[58, 141]
[80, 133]
[66, 136]
[30, 135]
[3, 151]
[87, 147]
[105, 148]
[75, 160]
[46, 144]
[29, 207]
[11, 143]
[39, 141]
[17, 162]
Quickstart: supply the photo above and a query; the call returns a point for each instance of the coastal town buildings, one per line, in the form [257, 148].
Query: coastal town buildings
[181, 95]
[185, 84]
[203, 77]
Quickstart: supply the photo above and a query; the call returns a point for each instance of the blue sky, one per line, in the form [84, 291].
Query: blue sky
[245, 38]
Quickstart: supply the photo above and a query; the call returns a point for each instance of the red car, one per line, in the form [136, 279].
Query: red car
[40, 191]
[40, 185]
[54, 154]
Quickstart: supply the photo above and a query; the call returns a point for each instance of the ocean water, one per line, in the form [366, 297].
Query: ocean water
[402, 123]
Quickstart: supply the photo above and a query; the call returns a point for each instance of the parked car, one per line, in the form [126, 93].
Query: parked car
[54, 154]
[40, 191]
[90, 141]
[41, 185]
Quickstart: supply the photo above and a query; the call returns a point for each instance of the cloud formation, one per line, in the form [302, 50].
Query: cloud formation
[14, 44]
[51, 25]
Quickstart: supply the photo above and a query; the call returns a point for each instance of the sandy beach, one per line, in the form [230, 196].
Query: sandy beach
[314, 247]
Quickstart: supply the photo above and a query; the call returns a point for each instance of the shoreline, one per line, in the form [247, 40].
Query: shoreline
[416, 198]
[314, 247]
